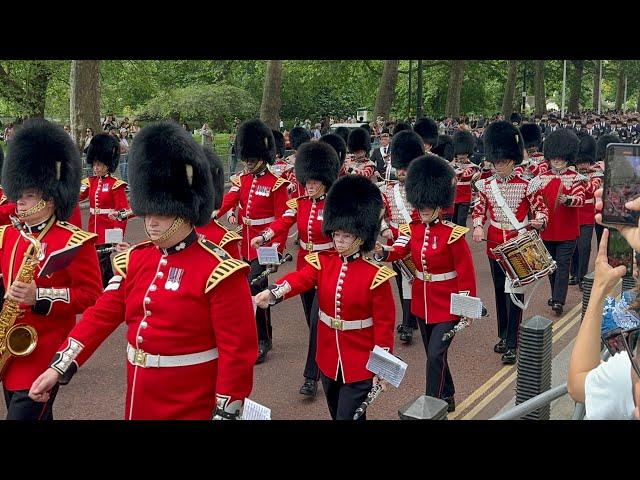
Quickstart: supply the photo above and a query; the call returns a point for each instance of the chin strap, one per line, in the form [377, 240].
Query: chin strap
[41, 205]
[177, 223]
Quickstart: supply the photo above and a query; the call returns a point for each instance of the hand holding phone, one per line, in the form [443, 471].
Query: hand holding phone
[619, 252]
[621, 184]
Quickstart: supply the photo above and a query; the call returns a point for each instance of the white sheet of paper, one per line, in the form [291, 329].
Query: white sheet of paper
[113, 235]
[466, 306]
[387, 366]
[268, 255]
[254, 411]
[509, 288]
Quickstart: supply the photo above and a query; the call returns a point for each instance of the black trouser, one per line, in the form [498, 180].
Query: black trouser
[105, 265]
[408, 318]
[263, 315]
[599, 229]
[460, 213]
[582, 252]
[439, 381]
[310, 306]
[509, 314]
[21, 407]
[344, 399]
[561, 252]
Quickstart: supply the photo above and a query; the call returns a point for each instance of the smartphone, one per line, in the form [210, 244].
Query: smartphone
[621, 183]
[619, 252]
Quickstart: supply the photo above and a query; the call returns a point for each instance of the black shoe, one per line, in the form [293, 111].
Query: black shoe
[550, 302]
[451, 404]
[580, 286]
[406, 334]
[309, 387]
[501, 346]
[573, 280]
[509, 358]
[557, 308]
[263, 347]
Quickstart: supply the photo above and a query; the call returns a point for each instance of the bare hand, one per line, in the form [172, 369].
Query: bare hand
[41, 387]
[233, 220]
[537, 223]
[262, 299]
[383, 383]
[478, 234]
[388, 234]
[122, 246]
[606, 277]
[25, 293]
[379, 248]
[630, 233]
[562, 198]
[257, 241]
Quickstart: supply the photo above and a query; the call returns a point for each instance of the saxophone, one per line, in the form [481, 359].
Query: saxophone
[18, 340]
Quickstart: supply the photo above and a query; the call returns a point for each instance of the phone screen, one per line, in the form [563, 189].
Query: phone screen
[621, 183]
[619, 252]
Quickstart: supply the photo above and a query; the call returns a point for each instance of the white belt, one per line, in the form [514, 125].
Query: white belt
[314, 247]
[437, 277]
[463, 183]
[137, 356]
[345, 324]
[257, 221]
[589, 201]
[101, 211]
[508, 226]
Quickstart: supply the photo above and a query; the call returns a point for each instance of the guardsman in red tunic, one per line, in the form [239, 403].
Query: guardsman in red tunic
[564, 190]
[356, 306]
[443, 261]
[214, 231]
[585, 165]
[463, 143]
[359, 145]
[601, 152]
[261, 197]
[317, 166]
[285, 167]
[405, 146]
[106, 194]
[42, 175]
[534, 163]
[186, 304]
[502, 192]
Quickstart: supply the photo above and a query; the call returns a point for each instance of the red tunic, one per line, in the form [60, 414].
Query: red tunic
[7, 208]
[563, 220]
[348, 289]
[210, 307]
[587, 212]
[464, 174]
[521, 196]
[78, 286]
[217, 233]
[261, 199]
[397, 210]
[285, 168]
[106, 195]
[437, 248]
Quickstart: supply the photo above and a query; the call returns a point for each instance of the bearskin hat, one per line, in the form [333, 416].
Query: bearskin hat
[405, 146]
[366, 127]
[400, 127]
[317, 161]
[343, 132]
[278, 139]
[587, 149]
[603, 141]
[297, 136]
[515, 117]
[359, 139]
[104, 148]
[503, 141]
[463, 143]
[338, 144]
[170, 174]
[354, 205]
[42, 155]
[562, 144]
[428, 131]
[430, 182]
[531, 134]
[255, 140]
[444, 148]
[217, 174]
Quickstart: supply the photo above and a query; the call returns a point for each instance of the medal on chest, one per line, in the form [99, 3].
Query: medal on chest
[262, 190]
[105, 187]
[174, 278]
[320, 214]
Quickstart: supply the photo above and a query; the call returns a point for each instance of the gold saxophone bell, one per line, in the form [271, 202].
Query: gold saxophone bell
[21, 340]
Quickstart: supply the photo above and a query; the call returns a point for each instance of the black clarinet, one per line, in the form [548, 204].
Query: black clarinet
[271, 269]
[371, 396]
[461, 325]
[110, 249]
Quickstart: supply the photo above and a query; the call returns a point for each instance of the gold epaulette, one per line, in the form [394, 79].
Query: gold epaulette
[118, 183]
[2, 229]
[383, 274]
[222, 271]
[230, 236]
[120, 261]
[293, 204]
[457, 232]
[281, 181]
[85, 182]
[405, 229]
[235, 180]
[80, 236]
[69, 226]
[214, 249]
[313, 259]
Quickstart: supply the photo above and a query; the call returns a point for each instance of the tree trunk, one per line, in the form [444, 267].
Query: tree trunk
[419, 85]
[386, 89]
[456, 77]
[620, 87]
[84, 99]
[271, 98]
[576, 86]
[596, 84]
[510, 89]
[638, 104]
[538, 88]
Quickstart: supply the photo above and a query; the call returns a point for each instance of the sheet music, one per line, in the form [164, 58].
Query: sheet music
[387, 366]
[268, 255]
[254, 411]
[113, 235]
[466, 306]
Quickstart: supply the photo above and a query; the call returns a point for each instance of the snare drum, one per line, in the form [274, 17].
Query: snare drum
[524, 258]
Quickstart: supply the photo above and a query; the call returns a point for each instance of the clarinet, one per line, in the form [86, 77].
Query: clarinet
[461, 325]
[371, 396]
[106, 249]
[287, 258]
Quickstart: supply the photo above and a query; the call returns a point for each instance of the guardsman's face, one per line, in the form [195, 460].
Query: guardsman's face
[28, 199]
[156, 225]
[313, 187]
[427, 215]
[99, 169]
[558, 163]
[401, 173]
[343, 240]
